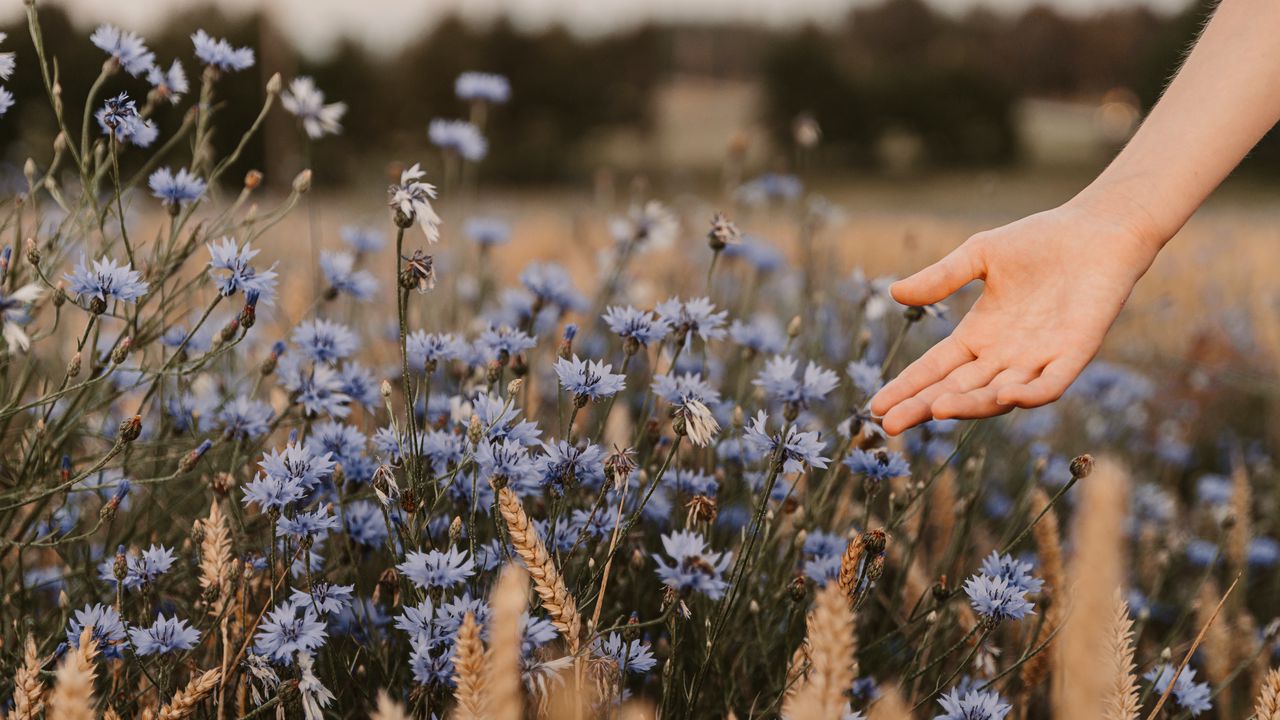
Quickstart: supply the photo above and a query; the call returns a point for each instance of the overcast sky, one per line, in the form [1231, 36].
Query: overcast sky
[386, 24]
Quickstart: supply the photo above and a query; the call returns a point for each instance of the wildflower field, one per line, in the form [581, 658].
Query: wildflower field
[266, 455]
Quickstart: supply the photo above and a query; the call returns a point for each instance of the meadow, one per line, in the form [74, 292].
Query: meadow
[420, 448]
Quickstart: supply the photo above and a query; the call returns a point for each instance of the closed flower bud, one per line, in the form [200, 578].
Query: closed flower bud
[520, 365]
[793, 327]
[475, 429]
[130, 429]
[1081, 466]
[60, 142]
[189, 460]
[120, 567]
[229, 330]
[494, 372]
[73, 367]
[302, 182]
[252, 179]
[121, 353]
[29, 170]
[455, 530]
[59, 295]
[275, 84]
[385, 389]
[33, 252]
[97, 305]
[515, 386]
[222, 482]
[797, 589]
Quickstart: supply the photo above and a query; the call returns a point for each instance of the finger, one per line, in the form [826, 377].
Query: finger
[942, 278]
[1054, 380]
[915, 410]
[931, 367]
[979, 402]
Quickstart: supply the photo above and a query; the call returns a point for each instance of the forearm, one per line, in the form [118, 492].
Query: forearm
[1222, 101]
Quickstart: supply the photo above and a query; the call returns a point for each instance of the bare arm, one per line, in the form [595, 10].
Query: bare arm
[1056, 281]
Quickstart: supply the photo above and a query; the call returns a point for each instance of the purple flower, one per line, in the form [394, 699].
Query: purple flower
[339, 271]
[972, 705]
[107, 281]
[695, 568]
[108, 630]
[588, 378]
[694, 317]
[176, 190]
[220, 54]
[165, 635]
[324, 340]
[436, 569]
[127, 48]
[482, 87]
[778, 380]
[996, 599]
[798, 448]
[460, 137]
[240, 276]
[288, 629]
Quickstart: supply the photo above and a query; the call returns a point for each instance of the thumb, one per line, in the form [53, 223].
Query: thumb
[936, 282]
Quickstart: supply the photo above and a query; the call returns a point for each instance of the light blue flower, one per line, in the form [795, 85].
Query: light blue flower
[550, 283]
[220, 54]
[430, 349]
[695, 567]
[176, 189]
[170, 84]
[165, 635]
[325, 598]
[763, 334]
[642, 326]
[799, 448]
[118, 118]
[680, 389]
[1194, 697]
[339, 271]
[108, 280]
[6, 101]
[483, 87]
[996, 599]
[237, 275]
[127, 48]
[108, 630]
[437, 569]
[779, 382]
[694, 317]
[633, 656]
[972, 705]
[325, 341]
[460, 137]
[588, 378]
[487, 232]
[865, 376]
[288, 629]
[877, 465]
[1015, 571]
[363, 239]
[304, 100]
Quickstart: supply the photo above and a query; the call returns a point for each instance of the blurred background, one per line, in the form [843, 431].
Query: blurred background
[898, 88]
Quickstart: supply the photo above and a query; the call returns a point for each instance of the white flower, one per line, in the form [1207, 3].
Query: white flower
[14, 314]
[315, 696]
[413, 199]
[306, 101]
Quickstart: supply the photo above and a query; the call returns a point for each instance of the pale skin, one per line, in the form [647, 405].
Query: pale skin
[1055, 281]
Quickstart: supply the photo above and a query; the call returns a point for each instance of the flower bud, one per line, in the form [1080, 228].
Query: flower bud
[29, 170]
[275, 84]
[515, 386]
[1081, 466]
[385, 389]
[121, 353]
[73, 367]
[33, 252]
[302, 182]
[252, 179]
[130, 429]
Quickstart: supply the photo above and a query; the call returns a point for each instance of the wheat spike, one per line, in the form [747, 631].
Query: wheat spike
[831, 658]
[1121, 699]
[1241, 530]
[110, 714]
[890, 706]
[72, 694]
[1267, 706]
[468, 672]
[215, 556]
[1094, 574]
[942, 513]
[797, 674]
[1049, 550]
[502, 663]
[184, 702]
[28, 691]
[547, 581]
[851, 567]
[388, 709]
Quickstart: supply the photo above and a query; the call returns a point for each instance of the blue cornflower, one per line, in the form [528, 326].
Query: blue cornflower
[642, 326]
[127, 48]
[1017, 572]
[458, 136]
[551, 285]
[505, 342]
[680, 389]
[299, 463]
[1194, 697]
[1213, 489]
[243, 418]
[798, 448]
[15, 312]
[7, 62]
[996, 599]
[972, 705]
[220, 54]
[226, 256]
[169, 84]
[1201, 553]
[339, 271]
[420, 622]
[764, 334]
[142, 569]
[757, 252]
[325, 598]
[779, 382]
[632, 656]
[324, 340]
[565, 464]
[364, 523]
[288, 629]
[694, 317]
[363, 239]
[270, 493]
[107, 280]
[866, 377]
[691, 482]
[589, 379]
[319, 389]
[428, 350]
[6, 101]
[118, 118]
[487, 232]
[176, 190]
[507, 459]
[436, 569]
[770, 187]
[822, 569]
[482, 87]
[412, 199]
[443, 449]
[358, 383]
[1263, 552]
[315, 524]
[498, 418]
[164, 636]
[820, 542]
[340, 440]
[877, 465]
[108, 630]
[304, 100]
[695, 567]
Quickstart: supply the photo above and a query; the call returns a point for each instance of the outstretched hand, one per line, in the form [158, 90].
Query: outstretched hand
[1054, 283]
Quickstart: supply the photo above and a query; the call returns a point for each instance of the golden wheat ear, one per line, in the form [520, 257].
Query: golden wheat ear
[1049, 549]
[1121, 699]
[468, 672]
[831, 647]
[72, 695]
[890, 706]
[547, 581]
[1267, 706]
[28, 690]
[388, 709]
[508, 602]
[185, 701]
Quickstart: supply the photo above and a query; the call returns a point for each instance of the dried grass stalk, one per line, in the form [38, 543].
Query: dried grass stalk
[1241, 530]
[185, 701]
[1049, 549]
[1218, 645]
[831, 659]
[468, 672]
[72, 695]
[1094, 575]
[1121, 699]
[502, 663]
[547, 581]
[28, 691]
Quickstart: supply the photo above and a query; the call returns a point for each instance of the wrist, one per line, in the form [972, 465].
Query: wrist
[1131, 209]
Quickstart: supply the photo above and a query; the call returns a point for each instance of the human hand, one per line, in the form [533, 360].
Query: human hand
[1054, 283]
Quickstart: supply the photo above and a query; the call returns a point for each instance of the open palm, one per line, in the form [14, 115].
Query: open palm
[1054, 283]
